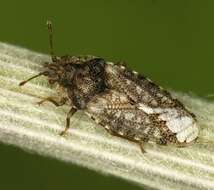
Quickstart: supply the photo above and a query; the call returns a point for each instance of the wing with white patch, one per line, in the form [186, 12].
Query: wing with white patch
[115, 112]
[152, 99]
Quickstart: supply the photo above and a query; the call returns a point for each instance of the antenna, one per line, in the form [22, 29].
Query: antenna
[35, 76]
[50, 31]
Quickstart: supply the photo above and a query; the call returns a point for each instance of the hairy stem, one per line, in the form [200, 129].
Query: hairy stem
[36, 129]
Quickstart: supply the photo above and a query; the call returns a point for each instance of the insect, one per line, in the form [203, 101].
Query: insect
[125, 103]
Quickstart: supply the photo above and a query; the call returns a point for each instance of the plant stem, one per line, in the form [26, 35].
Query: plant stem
[36, 129]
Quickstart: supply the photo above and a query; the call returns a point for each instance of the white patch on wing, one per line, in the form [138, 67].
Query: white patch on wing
[185, 126]
[192, 136]
[146, 108]
[188, 134]
[176, 124]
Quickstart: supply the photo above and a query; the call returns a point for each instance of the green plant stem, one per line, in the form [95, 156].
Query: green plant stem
[36, 129]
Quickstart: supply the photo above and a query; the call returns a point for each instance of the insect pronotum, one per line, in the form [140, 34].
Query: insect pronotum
[125, 103]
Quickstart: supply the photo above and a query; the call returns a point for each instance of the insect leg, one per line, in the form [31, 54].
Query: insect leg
[69, 115]
[51, 99]
[141, 147]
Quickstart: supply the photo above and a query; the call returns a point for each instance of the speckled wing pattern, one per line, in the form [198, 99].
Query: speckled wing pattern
[137, 109]
[116, 113]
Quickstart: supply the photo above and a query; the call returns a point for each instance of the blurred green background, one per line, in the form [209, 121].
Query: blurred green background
[169, 41]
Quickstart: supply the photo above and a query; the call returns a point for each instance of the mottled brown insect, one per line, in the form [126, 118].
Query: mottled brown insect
[124, 102]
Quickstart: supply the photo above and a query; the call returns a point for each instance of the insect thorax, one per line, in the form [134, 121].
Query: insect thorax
[82, 77]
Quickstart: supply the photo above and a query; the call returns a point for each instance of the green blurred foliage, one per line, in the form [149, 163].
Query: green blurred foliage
[169, 41]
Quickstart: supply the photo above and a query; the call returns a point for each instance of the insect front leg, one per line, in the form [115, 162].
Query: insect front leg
[61, 102]
[69, 115]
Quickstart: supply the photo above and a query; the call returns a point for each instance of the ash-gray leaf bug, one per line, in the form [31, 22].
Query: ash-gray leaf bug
[125, 103]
